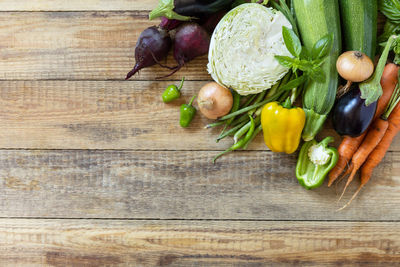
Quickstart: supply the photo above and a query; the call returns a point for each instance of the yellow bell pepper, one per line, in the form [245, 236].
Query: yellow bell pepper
[282, 126]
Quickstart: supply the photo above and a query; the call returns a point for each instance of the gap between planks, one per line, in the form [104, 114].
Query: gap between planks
[196, 220]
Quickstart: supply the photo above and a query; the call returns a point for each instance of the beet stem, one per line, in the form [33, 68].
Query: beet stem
[159, 63]
[172, 73]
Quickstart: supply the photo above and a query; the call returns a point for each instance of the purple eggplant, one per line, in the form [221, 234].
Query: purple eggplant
[350, 114]
[188, 9]
[153, 45]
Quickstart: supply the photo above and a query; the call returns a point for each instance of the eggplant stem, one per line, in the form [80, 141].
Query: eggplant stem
[342, 90]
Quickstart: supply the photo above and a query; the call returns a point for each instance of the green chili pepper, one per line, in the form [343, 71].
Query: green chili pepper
[256, 132]
[242, 141]
[315, 161]
[245, 128]
[172, 92]
[187, 113]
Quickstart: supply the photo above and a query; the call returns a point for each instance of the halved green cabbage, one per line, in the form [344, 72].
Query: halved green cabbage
[243, 46]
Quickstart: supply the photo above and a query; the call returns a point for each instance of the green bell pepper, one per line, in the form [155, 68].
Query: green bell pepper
[314, 162]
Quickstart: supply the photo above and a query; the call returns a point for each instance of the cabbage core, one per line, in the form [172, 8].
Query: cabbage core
[243, 46]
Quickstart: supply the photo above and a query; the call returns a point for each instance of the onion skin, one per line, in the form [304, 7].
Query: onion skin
[214, 100]
[354, 66]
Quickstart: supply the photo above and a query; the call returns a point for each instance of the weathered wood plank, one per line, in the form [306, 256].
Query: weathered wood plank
[78, 45]
[99, 115]
[197, 243]
[76, 5]
[104, 115]
[179, 184]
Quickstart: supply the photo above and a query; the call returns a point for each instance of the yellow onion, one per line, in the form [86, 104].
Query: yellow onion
[354, 66]
[214, 100]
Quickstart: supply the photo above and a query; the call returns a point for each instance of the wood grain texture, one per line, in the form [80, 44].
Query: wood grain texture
[99, 115]
[197, 243]
[78, 46]
[105, 115]
[183, 185]
[76, 5]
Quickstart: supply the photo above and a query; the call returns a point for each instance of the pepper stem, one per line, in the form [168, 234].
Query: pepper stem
[181, 85]
[327, 141]
[287, 104]
[191, 101]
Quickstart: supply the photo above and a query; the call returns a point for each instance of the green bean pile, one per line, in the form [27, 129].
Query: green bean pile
[243, 122]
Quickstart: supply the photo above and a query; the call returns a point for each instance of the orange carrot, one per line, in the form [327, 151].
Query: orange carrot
[346, 151]
[379, 153]
[349, 144]
[371, 140]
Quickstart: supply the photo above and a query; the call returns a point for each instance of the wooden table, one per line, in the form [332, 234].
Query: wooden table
[95, 170]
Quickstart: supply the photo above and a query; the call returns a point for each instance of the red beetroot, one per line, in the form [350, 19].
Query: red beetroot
[169, 24]
[191, 41]
[153, 45]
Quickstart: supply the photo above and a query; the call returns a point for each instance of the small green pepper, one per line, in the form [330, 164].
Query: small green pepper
[315, 161]
[187, 113]
[172, 92]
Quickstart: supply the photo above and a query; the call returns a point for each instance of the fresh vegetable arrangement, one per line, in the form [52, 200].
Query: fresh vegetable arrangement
[283, 68]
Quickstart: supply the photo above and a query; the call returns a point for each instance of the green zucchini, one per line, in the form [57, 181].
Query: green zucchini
[359, 25]
[317, 18]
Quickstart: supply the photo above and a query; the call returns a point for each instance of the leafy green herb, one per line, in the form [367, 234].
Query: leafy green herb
[309, 64]
[294, 83]
[391, 10]
[286, 61]
[292, 42]
[322, 48]
[305, 53]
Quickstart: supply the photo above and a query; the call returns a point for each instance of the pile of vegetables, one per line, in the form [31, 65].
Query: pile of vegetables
[283, 68]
